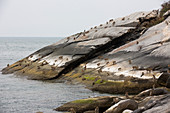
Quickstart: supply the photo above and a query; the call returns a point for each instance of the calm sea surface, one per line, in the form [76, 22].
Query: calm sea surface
[19, 95]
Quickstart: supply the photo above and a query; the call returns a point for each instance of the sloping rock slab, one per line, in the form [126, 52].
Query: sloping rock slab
[54, 60]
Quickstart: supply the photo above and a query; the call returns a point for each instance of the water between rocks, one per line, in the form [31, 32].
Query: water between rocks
[19, 95]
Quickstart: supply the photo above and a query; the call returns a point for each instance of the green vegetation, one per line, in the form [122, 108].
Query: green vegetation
[87, 77]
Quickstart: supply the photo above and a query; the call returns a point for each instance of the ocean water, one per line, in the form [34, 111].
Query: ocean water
[19, 95]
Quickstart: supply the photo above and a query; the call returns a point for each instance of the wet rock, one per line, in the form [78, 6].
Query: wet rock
[88, 104]
[122, 105]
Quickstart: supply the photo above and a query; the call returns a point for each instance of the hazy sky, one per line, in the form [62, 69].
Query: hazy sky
[55, 18]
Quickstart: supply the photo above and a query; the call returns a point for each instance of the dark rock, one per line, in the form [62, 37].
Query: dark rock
[168, 83]
[162, 80]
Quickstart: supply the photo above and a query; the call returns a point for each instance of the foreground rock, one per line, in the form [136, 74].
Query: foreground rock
[143, 102]
[156, 104]
[123, 105]
[79, 106]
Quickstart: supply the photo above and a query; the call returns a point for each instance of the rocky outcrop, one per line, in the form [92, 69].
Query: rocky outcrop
[143, 102]
[124, 55]
[121, 104]
[65, 55]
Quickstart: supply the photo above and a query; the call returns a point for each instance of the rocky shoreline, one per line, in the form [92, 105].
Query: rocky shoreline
[148, 101]
[123, 56]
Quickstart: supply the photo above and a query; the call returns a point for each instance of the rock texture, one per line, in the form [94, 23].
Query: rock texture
[122, 55]
[122, 105]
[155, 103]
[97, 103]
[125, 56]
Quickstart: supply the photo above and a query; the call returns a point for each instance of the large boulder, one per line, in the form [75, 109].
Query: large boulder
[102, 103]
[122, 105]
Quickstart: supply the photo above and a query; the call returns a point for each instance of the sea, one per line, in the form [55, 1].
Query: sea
[20, 95]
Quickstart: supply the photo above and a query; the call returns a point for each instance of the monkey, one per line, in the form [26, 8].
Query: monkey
[72, 110]
[135, 67]
[97, 109]
[166, 22]
[149, 69]
[119, 69]
[106, 59]
[142, 74]
[38, 67]
[111, 20]
[60, 57]
[113, 23]
[130, 62]
[107, 63]
[123, 18]
[137, 42]
[53, 68]
[127, 95]
[23, 71]
[114, 63]
[100, 57]
[7, 65]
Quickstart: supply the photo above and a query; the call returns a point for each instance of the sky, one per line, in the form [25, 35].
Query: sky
[61, 18]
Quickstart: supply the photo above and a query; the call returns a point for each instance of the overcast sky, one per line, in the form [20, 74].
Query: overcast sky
[60, 18]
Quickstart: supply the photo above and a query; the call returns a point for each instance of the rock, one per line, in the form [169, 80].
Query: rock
[149, 92]
[162, 80]
[157, 104]
[127, 111]
[70, 52]
[92, 111]
[120, 56]
[168, 83]
[88, 104]
[122, 105]
[166, 14]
